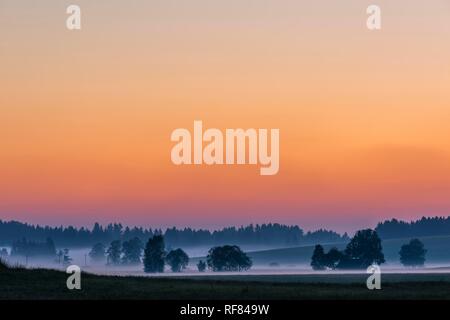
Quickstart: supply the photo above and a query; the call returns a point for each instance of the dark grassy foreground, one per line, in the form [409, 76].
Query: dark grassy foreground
[50, 284]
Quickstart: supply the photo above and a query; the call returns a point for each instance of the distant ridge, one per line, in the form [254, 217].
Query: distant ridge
[432, 226]
[270, 234]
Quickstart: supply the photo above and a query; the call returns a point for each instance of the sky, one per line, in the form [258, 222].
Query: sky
[86, 116]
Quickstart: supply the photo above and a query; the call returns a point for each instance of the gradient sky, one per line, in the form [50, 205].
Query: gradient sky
[86, 116]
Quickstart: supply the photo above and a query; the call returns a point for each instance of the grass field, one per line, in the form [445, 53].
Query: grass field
[50, 284]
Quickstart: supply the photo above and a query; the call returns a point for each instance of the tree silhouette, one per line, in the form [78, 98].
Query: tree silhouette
[228, 258]
[363, 250]
[132, 251]
[321, 260]
[413, 253]
[3, 265]
[154, 254]
[97, 253]
[59, 256]
[201, 266]
[113, 252]
[3, 253]
[177, 260]
[318, 258]
[66, 258]
[50, 247]
[332, 258]
[29, 248]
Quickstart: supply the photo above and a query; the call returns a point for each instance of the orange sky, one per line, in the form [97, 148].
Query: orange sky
[86, 116]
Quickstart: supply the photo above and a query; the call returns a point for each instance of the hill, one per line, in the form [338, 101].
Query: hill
[438, 252]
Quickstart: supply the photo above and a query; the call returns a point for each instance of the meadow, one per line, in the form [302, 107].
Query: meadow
[21, 283]
[291, 278]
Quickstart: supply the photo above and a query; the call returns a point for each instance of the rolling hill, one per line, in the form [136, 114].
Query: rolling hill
[438, 252]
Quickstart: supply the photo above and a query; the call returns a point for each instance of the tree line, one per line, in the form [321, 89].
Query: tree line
[363, 250]
[433, 226]
[271, 234]
[42, 250]
[155, 257]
